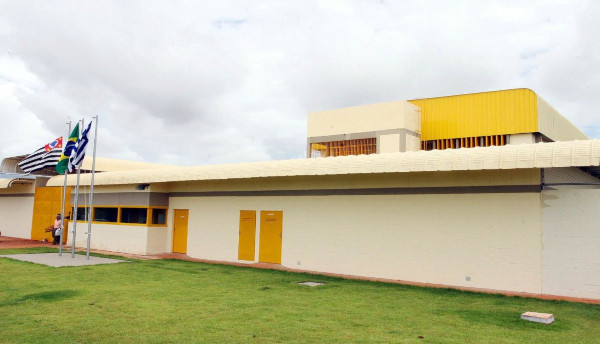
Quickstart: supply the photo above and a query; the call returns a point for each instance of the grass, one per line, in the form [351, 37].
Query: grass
[168, 301]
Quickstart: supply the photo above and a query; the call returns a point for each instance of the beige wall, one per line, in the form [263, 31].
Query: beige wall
[571, 241]
[519, 139]
[159, 240]
[553, 125]
[122, 238]
[389, 143]
[358, 119]
[17, 216]
[16, 207]
[492, 238]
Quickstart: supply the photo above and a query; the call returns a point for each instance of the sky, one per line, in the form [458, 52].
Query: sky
[212, 82]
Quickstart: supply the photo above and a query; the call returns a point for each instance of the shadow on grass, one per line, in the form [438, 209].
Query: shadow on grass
[44, 296]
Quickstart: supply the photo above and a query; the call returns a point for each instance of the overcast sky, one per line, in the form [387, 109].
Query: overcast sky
[208, 82]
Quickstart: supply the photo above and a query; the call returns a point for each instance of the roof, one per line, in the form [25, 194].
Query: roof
[539, 155]
[7, 179]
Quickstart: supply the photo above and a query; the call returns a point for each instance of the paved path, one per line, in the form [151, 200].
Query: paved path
[53, 259]
[10, 242]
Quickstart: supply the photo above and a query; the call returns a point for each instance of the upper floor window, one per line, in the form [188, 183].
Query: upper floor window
[343, 148]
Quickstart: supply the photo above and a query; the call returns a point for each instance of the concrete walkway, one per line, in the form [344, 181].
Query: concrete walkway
[53, 259]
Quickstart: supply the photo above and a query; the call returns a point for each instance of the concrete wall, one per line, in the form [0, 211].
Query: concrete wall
[553, 125]
[116, 238]
[123, 238]
[458, 239]
[519, 139]
[159, 240]
[571, 241]
[358, 119]
[16, 209]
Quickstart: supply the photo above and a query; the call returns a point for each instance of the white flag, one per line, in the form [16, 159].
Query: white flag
[79, 152]
[46, 156]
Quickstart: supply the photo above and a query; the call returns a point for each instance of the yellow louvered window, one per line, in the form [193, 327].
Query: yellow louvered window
[343, 148]
[465, 142]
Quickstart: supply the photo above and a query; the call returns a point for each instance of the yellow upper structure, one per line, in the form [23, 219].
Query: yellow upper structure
[502, 112]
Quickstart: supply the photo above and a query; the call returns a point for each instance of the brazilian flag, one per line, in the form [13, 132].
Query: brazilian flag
[63, 162]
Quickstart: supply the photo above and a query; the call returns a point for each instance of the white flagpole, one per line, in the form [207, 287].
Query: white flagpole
[75, 205]
[74, 231]
[89, 232]
[62, 214]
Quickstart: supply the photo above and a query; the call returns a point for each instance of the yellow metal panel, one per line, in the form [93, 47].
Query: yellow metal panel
[180, 230]
[42, 213]
[478, 114]
[271, 228]
[247, 235]
[47, 202]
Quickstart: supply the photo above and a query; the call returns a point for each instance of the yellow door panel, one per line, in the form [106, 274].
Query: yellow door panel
[271, 230]
[47, 202]
[247, 235]
[180, 230]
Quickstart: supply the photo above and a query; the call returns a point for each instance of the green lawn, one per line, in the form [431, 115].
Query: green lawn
[167, 301]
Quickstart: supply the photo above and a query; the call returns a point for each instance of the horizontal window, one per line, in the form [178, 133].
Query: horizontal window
[134, 215]
[465, 142]
[148, 216]
[343, 148]
[105, 214]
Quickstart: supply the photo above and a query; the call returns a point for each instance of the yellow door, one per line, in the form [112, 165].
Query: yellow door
[47, 202]
[247, 235]
[270, 236]
[180, 230]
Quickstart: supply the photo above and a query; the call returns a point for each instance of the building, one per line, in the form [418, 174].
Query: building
[493, 191]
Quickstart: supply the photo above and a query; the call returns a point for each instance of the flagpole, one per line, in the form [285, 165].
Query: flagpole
[64, 199]
[89, 232]
[75, 206]
[74, 231]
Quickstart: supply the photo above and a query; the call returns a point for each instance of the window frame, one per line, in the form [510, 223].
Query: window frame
[79, 207]
[121, 207]
[149, 211]
[94, 208]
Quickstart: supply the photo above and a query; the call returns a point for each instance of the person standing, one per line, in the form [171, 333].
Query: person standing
[57, 230]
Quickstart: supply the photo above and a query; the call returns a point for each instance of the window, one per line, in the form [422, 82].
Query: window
[82, 213]
[159, 216]
[128, 215]
[134, 215]
[465, 142]
[343, 148]
[106, 214]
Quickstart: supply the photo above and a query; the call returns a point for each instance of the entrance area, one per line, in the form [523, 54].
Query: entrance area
[180, 230]
[47, 202]
[271, 228]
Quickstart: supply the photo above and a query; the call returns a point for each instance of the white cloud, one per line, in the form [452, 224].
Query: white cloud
[194, 83]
